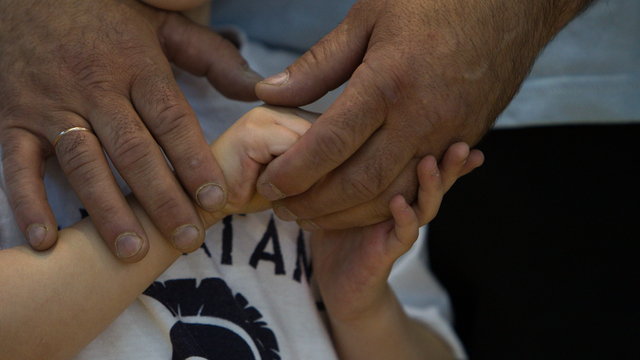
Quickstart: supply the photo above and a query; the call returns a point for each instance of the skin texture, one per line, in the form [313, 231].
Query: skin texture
[105, 65]
[422, 75]
[352, 267]
[52, 310]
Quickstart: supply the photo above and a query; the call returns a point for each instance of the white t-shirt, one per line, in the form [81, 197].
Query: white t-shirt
[248, 292]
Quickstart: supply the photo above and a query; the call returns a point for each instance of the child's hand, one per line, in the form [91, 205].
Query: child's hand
[252, 142]
[352, 265]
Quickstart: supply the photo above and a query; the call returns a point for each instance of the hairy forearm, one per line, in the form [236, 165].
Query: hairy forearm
[387, 333]
[490, 47]
[53, 303]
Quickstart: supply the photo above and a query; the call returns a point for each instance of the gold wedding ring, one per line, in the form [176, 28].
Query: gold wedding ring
[77, 128]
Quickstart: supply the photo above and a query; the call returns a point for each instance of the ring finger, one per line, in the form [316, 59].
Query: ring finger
[83, 162]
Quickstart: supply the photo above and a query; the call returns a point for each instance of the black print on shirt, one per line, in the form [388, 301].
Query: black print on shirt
[301, 260]
[271, 235]
[303, 263]
[227, 240]
[212, 323]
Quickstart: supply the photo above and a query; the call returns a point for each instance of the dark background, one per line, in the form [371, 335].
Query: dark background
[539, 247]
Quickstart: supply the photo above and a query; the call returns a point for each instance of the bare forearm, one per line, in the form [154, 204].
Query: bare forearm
[387, 333]
[53, 303]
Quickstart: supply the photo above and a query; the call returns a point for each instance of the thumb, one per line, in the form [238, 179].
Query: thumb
[326, 66]
[202, 52]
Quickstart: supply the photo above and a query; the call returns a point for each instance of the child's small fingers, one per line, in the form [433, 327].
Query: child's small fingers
[295, 119]
[430, 191]
[452, 164]
[474, 160]
[406, 221]
[278, 139]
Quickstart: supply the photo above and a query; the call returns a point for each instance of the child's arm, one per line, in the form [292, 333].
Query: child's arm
[53, 303]
[352, 267]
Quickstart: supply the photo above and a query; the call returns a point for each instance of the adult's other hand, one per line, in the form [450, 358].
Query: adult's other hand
[103, 65]
[422, 75]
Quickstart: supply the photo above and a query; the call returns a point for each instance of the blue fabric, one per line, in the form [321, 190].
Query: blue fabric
[290, 24]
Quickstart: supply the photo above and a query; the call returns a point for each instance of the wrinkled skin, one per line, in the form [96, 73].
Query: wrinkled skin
[104, 65]
[422, 75]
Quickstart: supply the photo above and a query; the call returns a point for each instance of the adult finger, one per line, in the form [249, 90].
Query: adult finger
[333, 138]
[83, 162]
[23, 166]
[202, 52]
[362, 177]
[139, 160]
[366, 213]
[327, 65]
[168, 116]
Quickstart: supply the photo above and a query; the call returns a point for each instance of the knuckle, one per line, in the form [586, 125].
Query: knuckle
[21, 199]
[80, 165]
[372, 177]
[123, 125]
[171, 118]
[304, 207]
[127, 139]
[331, 145]
[387, 80]
[195, 163]
[12, 104]
[89, 68]
[168, 110]
[22, 203]
[360, 189]
[101, 63]
[111, 215]
[92, 75]
[315, 55]
[10, 146]
[258, 114]
[166, 207]
[131, 152]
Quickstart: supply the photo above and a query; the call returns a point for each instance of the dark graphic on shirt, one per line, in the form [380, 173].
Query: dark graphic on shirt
[259, 254]
[213, 323]
[270, 237]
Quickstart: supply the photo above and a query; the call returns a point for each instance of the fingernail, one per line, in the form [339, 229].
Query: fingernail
[185, 237]
[434, 170]
[270, 192]
[210, 197]
[278, 79]
[284, 213]
[308, 225]
[253, 74]
[36, 234]
[128, 245]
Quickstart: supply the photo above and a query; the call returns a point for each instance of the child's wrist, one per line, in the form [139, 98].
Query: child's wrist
[386, 332]
[375, 311]
[366, 333]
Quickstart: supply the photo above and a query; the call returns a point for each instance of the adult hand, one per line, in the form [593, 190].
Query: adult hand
[352, 265]
[422, 75]
[104, 66]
